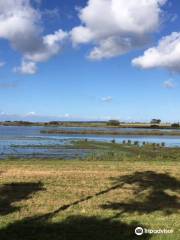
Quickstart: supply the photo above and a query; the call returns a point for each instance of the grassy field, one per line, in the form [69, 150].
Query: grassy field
[96, 198]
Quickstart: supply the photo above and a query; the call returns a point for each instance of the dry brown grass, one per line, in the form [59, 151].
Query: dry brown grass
[65, 182]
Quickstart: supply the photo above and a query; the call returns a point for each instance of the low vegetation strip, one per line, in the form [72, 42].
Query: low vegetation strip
[114, 133]
[155, 123]
[110, 151]
[128, 151]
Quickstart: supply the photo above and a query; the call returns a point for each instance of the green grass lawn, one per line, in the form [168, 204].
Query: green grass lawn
[93, 200]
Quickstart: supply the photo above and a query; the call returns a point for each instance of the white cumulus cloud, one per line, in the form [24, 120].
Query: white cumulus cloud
[50, 46]
[165, 55]
[27, 67]
[116, 26]
[107, 99]
[20, 24]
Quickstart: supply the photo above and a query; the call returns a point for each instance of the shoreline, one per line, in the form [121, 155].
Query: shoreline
[90, 124]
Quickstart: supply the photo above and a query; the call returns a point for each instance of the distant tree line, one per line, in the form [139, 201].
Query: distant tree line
[155, 121]
[113, 123]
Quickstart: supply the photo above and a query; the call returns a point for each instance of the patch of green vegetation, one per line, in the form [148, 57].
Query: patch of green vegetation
[128, 152]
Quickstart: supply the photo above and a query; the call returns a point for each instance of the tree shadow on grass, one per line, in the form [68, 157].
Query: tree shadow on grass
[150, 193]
[79, 201]
[72, 228]
[94, 228]
[15, 192]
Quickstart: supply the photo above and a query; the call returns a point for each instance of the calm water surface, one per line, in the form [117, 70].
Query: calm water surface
[28, 141]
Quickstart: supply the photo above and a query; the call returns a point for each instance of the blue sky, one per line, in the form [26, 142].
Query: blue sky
[74, 81]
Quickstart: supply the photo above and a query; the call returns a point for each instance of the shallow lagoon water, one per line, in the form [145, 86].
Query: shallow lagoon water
[19, 141]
